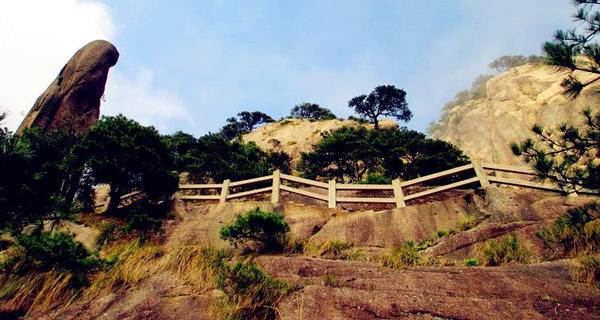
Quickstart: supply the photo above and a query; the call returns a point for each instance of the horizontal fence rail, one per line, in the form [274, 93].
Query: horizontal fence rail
[474, 173]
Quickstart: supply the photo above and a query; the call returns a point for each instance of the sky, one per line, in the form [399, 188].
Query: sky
[190, 64]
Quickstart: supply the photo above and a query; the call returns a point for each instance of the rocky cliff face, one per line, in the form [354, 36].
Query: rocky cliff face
[73, 99]
[294, 136]
[516, 100]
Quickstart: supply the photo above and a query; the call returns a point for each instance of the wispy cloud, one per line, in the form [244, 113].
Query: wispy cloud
[135, 96]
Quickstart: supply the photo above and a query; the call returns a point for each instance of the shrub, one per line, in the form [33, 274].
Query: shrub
[405, 256]
[471, 262]
[508, 250]
[251, 293]
[330, 281]
[589, 270]
[47, 250]
[257, 230]
[578, 231]
[376, 178]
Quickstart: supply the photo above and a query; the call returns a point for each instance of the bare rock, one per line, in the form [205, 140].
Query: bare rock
[73, 99]
[515, 101]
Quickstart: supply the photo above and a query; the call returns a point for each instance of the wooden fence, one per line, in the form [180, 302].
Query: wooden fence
[479, 175]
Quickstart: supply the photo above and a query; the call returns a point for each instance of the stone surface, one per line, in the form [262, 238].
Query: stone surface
[73, 99]
[516, 100]
[294, 136]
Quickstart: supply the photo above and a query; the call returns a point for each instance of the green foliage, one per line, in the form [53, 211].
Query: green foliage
[181, 146]
[346, 152]
[36, 179]
[589, 270]
[244, 123]
[352, 153]
[311, 111]
[508, 250]
[578, 231]
[471, 262]
[46, 250]
[386, 101]
[567, 155]
[376, 178]
[257, 230]
[127, 156]
[217, 158]
[330, 281]
[405, 256]
[145, 217]
[251, 292]
[576, 49]
[508, 62]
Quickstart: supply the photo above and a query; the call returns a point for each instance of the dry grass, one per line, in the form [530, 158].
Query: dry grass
[589, 270]
[507, 250]
[38, 292]
[405, 256]
[333, 250]
[196, 265]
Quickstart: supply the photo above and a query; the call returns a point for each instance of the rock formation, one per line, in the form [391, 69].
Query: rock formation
[294, 136]
[73, 99]
[516, 100]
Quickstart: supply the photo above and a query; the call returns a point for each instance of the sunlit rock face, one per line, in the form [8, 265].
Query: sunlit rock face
[516, 100]
[72, 100]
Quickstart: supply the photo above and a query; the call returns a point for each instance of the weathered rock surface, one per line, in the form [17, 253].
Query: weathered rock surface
[367, 291]
[73, 99]
[516, 100]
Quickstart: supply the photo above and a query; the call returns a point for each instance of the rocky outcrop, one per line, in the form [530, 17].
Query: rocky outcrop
[73, 99]
[294, 136]
[516, 100]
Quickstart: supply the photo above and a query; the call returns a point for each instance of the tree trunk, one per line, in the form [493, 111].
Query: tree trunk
[114, 200]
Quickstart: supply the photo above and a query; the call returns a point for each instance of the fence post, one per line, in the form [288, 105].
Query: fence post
[398, 193]
[224, 191]
[332, 194]
[276, 184]
[481, 175]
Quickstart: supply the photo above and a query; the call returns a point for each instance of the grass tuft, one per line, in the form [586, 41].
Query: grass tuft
[250, 292]
[508, 250]
[333, 250]
[330, 281]
[405, 256]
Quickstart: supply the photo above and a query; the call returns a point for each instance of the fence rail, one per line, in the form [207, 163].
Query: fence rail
[480, 175]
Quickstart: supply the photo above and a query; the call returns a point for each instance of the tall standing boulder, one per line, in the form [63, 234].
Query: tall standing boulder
[73, 99]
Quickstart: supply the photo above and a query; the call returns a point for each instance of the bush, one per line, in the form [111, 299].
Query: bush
[47, 250]
[471, 262]
[257, 231]
[578, 231]
[508, 250]
[405, 256]
[250, 292]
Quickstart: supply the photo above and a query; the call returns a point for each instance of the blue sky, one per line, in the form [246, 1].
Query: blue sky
[189, 65]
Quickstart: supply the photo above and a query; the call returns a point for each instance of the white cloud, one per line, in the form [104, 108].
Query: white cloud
[136, 98]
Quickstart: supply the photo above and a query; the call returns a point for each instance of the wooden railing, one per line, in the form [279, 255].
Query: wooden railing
[480, 176]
